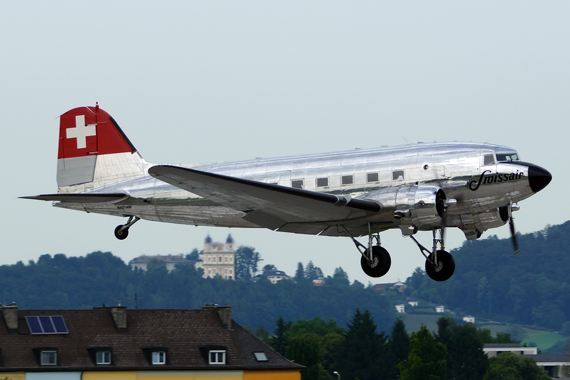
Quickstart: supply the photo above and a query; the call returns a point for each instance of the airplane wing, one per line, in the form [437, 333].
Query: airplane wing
[268, 205]
[79, 197]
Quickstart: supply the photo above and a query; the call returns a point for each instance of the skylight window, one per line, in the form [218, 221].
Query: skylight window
[260, 356]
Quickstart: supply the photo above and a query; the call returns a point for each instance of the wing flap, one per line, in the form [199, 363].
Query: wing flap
[266, 205]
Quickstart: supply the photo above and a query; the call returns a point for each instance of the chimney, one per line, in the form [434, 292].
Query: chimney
[10, 314]
[119, 314]
[224, 313]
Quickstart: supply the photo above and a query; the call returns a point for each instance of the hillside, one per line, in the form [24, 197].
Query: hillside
[531, 288]
[102, 278]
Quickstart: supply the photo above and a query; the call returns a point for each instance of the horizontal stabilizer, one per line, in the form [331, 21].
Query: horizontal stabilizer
[79, 197]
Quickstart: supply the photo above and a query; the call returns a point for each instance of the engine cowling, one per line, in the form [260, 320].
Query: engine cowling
[413, 205]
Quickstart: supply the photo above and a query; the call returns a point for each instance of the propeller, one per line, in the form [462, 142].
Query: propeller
[514, 235]
[507, 213]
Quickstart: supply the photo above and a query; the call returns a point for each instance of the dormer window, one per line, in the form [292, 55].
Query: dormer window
[48, 357]
[158, 357]
[217, 357]
[103, 357]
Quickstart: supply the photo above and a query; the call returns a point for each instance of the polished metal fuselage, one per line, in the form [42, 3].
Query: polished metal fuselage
[460, 169]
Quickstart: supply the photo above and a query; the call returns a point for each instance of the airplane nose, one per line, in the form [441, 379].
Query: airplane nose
[538, 178]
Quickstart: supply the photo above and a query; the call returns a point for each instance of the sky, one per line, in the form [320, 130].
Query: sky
[213, 81]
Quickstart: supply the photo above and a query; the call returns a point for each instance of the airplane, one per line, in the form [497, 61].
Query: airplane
[355, 193]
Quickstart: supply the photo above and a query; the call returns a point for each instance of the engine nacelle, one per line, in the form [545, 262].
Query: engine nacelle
[473, 226]
[413, 205]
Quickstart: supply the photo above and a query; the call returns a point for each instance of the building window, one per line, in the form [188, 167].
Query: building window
[158, 357]
[372, 177]
[347, 180]
[220, 259]
[322, 182]
[49, 358]
[103, 357]
[297, 184]
[218, 357]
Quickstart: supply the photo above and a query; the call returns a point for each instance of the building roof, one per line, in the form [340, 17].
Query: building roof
[185, 335]
[554, 359]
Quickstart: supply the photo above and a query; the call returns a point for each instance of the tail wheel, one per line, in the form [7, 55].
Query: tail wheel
[443, 269]
[380, 264]
[121, 233]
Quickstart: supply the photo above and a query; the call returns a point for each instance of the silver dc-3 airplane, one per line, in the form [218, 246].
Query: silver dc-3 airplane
[420, 187]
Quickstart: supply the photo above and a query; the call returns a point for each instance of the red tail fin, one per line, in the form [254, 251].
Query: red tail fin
[94, 151]
[87, 131]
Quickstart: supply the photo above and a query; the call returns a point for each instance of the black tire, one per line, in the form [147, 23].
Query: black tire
[444, 269]
[380, 263]
[121, 235]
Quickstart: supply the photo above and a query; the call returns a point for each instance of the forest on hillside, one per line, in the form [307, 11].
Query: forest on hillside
[61, 282]
[530, 288]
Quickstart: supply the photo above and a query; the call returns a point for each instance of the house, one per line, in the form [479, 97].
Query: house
[116, 343]
[398, 286]
[319, 281]
[413, 302]
[171, 261]
[273, 275]
[553, 364]
[469, 319]
[494, 349]
[217, 259]
[440, 309]
[401, 308]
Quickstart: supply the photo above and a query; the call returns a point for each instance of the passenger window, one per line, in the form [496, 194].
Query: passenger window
[489, 159]
[372, 177]
[297, 184]
[322, 182]
[398, 175]
[347, 180]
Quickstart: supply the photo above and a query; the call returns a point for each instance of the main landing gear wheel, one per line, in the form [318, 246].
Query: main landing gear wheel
[121, 232]
[380, 264]
[443, 269]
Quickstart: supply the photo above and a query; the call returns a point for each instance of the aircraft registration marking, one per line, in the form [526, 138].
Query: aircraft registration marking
[81, 131]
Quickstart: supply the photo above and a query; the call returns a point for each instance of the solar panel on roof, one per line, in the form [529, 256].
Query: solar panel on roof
[34, 325]
[59, 324]
[47, 324]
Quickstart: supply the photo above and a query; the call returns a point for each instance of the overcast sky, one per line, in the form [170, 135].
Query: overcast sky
[214, 81]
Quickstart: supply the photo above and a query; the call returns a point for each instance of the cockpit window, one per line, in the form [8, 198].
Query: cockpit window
[507, 157]
[489, 159]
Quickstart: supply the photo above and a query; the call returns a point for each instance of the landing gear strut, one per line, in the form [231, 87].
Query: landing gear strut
[375, 260]
[122, 230]
[440, 265]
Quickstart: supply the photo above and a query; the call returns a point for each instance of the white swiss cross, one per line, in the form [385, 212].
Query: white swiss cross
[81, 131]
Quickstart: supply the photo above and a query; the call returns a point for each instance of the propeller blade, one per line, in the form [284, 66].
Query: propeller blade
[514, 235]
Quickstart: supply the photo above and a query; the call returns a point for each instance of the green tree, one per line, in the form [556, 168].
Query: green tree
[364, 353]
[269, 267]
[312, 272]
[194, 255]
[426, 360]
[246, 262]
[305, 350]
[299, 273]
[280, 340]
[399, 341]
[508, 366]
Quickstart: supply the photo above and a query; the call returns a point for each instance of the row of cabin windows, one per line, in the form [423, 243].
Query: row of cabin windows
[349, 179]
[49, 357]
